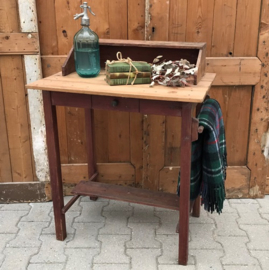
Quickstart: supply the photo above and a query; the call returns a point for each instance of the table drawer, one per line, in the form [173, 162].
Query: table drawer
[115, 103]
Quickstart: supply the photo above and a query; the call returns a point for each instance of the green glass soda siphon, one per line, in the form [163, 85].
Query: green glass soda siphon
[86, 46]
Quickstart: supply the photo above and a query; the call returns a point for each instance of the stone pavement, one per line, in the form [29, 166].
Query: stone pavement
[112, 235]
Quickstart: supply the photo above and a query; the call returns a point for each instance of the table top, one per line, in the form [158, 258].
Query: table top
[72, 83]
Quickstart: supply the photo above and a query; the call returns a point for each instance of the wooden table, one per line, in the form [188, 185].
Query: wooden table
[94, 93]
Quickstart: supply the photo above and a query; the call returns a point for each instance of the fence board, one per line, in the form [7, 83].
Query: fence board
[136, 19]
[200, 22]
[47, 27]
[223, 28]
[15, 101]
[177, 20]
[5, 167]
[247, 27]
[235, 104]
[9, 21]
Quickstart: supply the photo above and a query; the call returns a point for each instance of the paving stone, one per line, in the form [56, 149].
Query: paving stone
[205, 218]
[242, 201]
[227, 225]
[4, 239]
[262, 256]
[16, 207]
[264, 204]
[202, 237]
[111, 267]
[208, 259]
[258, 235]
[249, 214]
[87, 199]
[143, 258]
[116, 222]
[236, 252]
[85, 236]
[112, 249]
[9, 221]
[169, 249]
[176, 267]
[75, 207]
[47, 266]
[28, 235]
[265, 216]
[69, 219]
[17, 258]
[91, 212]
[168, 222]
[143, 213]
[118, 206]
[39, 212]
[242, 267]
[228, 207]
[51, 250]
[80, 258]
[143, 236]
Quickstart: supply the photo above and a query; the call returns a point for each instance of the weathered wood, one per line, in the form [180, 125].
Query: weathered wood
[9, 17]
[23, 192]
[247, 27]
[16, 114]
[199, 22]
[260, 104]
[47, 27]
[235, 105]
[235, 70]
[118, 173]
[19, 43]
[223, 28]
[128, 194]
[234, 189]
[136, 19]
[177, 20]
[5, 166]
[98, 86]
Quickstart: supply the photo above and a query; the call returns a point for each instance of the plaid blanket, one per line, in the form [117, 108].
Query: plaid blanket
[208, 163]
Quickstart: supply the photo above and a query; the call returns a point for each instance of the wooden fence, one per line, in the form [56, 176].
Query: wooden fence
[143, 150]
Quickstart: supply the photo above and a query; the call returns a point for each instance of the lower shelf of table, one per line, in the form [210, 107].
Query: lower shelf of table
[127, 194]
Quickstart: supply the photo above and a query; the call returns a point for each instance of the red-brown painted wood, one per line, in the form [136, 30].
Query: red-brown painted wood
[71, 100]
[54, 165]
[128, 194]
[184, 208]
[196, 207]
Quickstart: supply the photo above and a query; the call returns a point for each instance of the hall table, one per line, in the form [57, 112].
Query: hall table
[95, 93]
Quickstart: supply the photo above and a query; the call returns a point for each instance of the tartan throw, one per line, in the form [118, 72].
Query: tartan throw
[209, 159]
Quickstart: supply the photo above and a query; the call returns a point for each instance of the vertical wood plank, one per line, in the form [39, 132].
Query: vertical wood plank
[223, 28]
[136, 19]
[136, 145]
[9, 17]
[118, 19]
[235, 105]
[76, 137]
[260, 104]
[100, 22]
[101, 135]
[157, 19]
[119, 137]
[15, 101]
[153, 150]
[5, 166]
[66, 26]
[247, 27]
[47, 27]
[200, 22]
[177, 20]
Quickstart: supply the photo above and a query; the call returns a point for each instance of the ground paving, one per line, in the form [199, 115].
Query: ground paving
[112, 235]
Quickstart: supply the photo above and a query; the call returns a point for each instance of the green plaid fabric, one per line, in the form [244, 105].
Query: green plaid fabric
[209, 159]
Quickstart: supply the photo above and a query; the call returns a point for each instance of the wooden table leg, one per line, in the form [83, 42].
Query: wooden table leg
[196, 207]
[89, 126]
[185, 174]
[54, 165]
